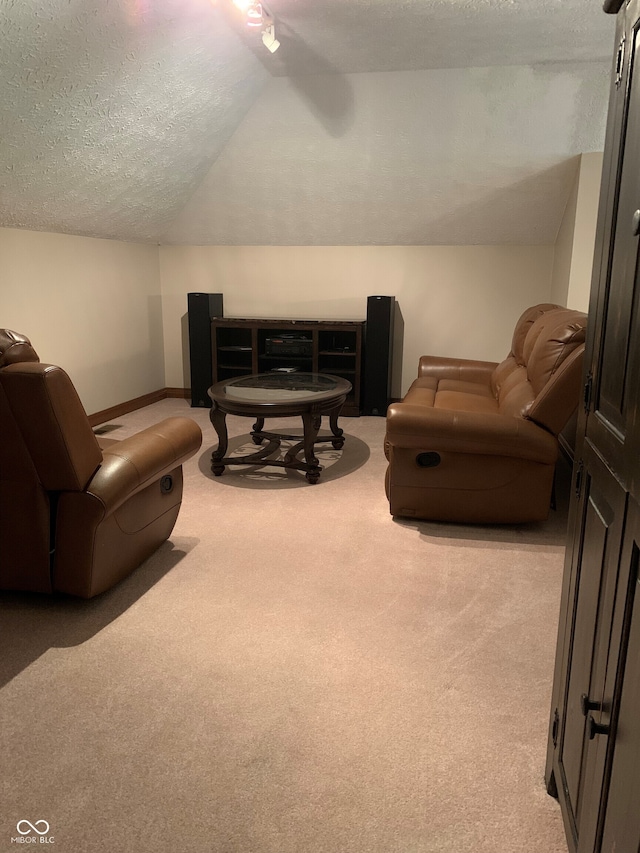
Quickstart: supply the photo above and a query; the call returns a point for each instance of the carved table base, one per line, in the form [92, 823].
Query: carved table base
[311, 422]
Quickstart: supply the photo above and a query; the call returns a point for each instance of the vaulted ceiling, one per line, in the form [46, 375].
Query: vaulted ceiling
[376, 121]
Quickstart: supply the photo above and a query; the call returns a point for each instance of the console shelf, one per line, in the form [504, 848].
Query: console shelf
[334, 346]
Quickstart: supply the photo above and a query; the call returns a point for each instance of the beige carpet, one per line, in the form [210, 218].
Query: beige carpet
[294, 672]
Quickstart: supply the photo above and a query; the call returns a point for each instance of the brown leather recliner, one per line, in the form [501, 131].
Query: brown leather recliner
[77, 517]
[476, 441]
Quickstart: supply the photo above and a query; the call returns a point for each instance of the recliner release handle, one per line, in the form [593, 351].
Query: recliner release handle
[430, 459]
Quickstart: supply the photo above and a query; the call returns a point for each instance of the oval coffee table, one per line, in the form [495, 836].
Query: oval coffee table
[279, 395]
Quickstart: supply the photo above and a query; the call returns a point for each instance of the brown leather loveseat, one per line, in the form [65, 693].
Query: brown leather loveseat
[77, 517]
[476, 441]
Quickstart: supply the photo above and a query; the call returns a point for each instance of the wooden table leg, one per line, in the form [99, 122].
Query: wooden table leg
[219, 421]
[338, 441]
[257, 427]
[311, 423]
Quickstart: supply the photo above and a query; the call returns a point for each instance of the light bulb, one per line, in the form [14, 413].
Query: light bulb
[254, 15]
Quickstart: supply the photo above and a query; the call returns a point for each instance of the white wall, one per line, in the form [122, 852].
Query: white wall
[113, 314]
[564, 245]
[584, 236]
[91, 306]
[573, 260]
[455, 300]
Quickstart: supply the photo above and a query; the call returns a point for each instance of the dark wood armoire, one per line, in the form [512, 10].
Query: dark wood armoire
[593, 761]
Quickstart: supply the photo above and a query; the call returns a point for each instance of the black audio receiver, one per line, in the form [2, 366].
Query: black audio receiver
[289, 345]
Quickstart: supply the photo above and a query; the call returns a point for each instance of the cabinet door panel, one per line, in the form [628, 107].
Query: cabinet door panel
[594, 747]
[621, 821]
[596, 569]
[614, 378]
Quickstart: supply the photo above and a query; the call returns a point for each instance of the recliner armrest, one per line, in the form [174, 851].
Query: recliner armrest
[133, 463]
[445, 430]
[463, 369]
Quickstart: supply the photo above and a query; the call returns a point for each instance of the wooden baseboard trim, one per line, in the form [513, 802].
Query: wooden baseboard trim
[178, 393]
[129, 406]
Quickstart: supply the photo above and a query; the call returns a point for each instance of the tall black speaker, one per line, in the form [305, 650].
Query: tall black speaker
[201, 308]
[378, 354]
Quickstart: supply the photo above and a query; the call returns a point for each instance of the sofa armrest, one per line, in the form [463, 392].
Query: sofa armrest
[463, 369]
[128, 466]
[428, 429]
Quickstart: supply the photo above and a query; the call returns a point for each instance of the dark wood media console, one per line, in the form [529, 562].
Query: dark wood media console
[239, 347]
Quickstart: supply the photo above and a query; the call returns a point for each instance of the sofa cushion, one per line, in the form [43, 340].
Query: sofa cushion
[516, 357]
[502, 372]
[550, 342]
[53, 424]
[517, 399]
[459, 401]
[523, 326]
[422, 391]
[15, 348]
[516, 394]
[465, 388]
[451, 394]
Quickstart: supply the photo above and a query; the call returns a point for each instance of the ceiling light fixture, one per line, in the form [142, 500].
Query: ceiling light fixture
[257, 15]
[253, 12]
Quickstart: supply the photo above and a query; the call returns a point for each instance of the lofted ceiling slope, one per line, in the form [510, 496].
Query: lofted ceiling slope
[376, 122]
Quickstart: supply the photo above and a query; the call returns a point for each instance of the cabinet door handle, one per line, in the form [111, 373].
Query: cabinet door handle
[620, 62]
[594, 728]
[587, 705]
[635, 223]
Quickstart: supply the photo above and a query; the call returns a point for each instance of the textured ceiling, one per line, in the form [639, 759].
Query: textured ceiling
[166, 120]
[351, 36]
[460, 156]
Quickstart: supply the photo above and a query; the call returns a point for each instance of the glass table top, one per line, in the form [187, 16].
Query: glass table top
[281, 387]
